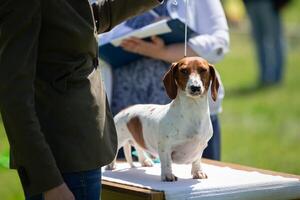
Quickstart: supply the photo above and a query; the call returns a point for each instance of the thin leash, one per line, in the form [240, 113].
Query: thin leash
[185, 29]
[186, 25]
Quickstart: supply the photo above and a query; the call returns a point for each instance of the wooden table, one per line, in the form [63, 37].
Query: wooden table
[117, 191]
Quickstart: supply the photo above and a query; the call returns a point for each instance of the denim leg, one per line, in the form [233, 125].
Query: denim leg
[273, 42]
[279, 47]
[257, 33]
[213, 150]
[84, 185]
[267, 34]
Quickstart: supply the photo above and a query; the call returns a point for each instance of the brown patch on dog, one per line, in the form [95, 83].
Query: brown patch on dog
[182, 75]
[136, 129]
[169, 81]
[214, 83]
[193, 65]
[205, 76]
[178, 75]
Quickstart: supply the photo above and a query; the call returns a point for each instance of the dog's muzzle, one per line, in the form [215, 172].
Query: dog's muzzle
[195, 90]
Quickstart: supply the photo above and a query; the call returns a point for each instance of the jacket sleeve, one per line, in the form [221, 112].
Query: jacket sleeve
[20, 23]
[112, 12]
[213, 41]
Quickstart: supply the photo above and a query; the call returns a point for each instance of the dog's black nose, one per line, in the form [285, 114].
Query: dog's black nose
[195, 88]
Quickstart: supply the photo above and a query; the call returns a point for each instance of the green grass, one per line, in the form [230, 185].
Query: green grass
[260, 128]
[10, 188]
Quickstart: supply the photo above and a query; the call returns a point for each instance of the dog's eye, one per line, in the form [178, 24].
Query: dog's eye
[202, 70]
[184, 71]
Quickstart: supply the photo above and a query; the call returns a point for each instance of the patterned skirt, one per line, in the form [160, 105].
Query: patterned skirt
[139, 82]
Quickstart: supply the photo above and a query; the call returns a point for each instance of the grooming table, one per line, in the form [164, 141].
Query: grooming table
[225, 181]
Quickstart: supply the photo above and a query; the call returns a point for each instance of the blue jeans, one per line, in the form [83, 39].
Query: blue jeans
[268, 36]
[84, 185]
[213, 149]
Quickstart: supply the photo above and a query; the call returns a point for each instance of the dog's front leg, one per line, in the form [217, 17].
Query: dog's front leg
[166, 165]
[197, 171]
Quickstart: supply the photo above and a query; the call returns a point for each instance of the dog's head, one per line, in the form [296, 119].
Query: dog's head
[193, 75]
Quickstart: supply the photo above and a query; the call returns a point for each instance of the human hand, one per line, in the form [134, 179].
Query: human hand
[61, 192]
[155, 48]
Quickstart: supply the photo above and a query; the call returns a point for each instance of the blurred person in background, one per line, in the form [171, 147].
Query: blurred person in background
[140, 82]
[267, 32]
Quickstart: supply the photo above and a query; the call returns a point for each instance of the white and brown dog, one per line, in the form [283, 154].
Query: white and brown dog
[179, 131]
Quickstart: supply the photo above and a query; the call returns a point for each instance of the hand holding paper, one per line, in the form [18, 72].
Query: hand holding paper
[154, 48]
[171, 33]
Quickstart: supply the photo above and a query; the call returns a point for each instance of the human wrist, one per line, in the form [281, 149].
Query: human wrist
[161, 53]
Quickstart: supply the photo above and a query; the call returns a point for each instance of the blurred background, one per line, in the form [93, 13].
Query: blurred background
[260, 126]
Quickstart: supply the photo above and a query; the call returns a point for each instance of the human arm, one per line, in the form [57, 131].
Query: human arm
[156, 49]
[212, 41]
[20, 24]
[112, 12]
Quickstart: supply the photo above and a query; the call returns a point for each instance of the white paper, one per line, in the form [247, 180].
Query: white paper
[157, 28]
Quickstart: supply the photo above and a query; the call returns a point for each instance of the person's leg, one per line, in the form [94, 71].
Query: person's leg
[85, 185]
[267, 33]
[272, 41]
[213, 150]
[255, 10]
[279, 47]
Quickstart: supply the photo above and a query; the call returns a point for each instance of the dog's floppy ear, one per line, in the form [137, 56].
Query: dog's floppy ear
[169, 81]
[214, 82]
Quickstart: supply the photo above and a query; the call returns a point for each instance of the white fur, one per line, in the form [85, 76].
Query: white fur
[177, 132]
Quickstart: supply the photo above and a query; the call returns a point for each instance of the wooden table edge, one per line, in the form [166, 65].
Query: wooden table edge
[139, 191]
[152, 194]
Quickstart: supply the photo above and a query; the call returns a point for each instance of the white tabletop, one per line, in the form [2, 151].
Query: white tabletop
[222, 183]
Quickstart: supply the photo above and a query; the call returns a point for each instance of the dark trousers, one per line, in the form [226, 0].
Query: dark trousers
[84, 185]
[269, 41]
[213, 150]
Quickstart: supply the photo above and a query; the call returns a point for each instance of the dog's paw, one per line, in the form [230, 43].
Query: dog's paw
[199, 175]
[110, 167]
[132, 165]
[169, 178]
[147, 163]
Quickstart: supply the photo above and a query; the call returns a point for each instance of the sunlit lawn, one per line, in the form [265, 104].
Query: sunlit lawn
[261, 128]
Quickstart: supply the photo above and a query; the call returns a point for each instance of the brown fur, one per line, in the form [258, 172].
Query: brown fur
[169, 81]
[136, 129]
[215, 83]
[178, 75]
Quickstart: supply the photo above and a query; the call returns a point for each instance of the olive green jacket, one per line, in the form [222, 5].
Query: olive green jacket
[52, 103]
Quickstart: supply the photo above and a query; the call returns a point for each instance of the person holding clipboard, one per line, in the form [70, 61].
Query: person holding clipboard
[141, 80]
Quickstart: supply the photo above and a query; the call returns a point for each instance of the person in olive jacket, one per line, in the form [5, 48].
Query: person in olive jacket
[52, 101]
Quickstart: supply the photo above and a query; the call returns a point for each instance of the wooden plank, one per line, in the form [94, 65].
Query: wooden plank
[118, 191]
